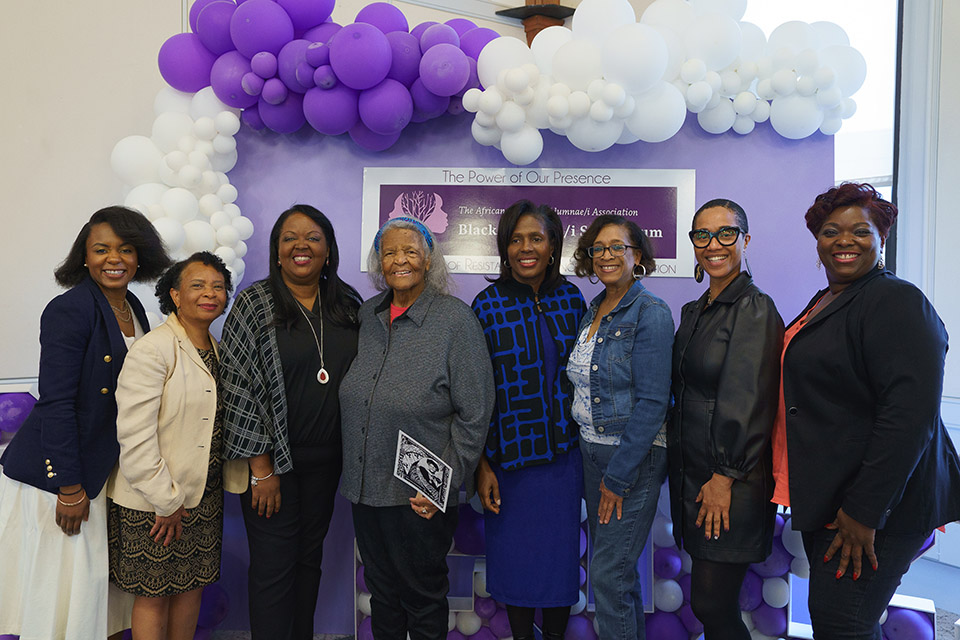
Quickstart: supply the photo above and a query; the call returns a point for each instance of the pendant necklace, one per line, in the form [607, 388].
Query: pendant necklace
[322, 376]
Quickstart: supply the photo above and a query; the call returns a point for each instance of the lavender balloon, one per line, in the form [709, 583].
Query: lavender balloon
[460, 25]
[252, 83]
[383, 16]
[386, 108]
[581, 628]
[426, 105]
[293, 54]
[260, 25]
[438, 34]
[473, 41]
[770, 621]
[332, 111]
[195, 9]
[484, 607]
[360, 56]
[667, 562]
[778, 525]
[264, 64]
[286, 117]
[776, 564]
[444, 69]
[405, 52]
[665, 626]
[306, 14]
[14, 409]
[213, 26]
[185, 63]
[318, 54]
[907, 624]
[322, 33]
[418, 30]
[500, 624]
[226, 78]
[274, 91]
[751, 593]
[325, 78]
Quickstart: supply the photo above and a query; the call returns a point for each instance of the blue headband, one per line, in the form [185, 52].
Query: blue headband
[419, 226]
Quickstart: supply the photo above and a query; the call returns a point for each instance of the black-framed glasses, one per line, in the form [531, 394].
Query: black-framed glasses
[726, 236]
[616, 250]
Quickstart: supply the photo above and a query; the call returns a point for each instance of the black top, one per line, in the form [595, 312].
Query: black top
[313, 409]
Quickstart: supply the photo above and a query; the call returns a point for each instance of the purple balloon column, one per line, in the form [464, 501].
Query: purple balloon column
[14, 409]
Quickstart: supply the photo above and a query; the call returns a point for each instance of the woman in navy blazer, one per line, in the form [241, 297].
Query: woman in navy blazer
[872, 470]
[51, 504]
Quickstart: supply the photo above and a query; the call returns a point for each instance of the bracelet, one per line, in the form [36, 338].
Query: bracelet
[72, 504]
[254, 479]
[72, 493]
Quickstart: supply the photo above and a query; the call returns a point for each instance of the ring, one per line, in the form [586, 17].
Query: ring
[424, 510]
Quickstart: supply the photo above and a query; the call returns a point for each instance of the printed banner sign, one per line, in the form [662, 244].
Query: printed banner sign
[462, 208]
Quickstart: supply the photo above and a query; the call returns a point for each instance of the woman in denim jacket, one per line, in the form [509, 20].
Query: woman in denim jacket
[620, 369]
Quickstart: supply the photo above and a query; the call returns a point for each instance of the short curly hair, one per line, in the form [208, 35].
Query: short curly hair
[437, 277]
[583, 263]
[171, 278]
[852, 194]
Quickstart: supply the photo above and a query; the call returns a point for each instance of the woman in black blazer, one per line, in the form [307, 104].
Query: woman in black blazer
[725, 376]
[59, 460]
[872, 470]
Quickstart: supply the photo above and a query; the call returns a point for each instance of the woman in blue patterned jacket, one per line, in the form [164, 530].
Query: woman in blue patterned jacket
[530, 478]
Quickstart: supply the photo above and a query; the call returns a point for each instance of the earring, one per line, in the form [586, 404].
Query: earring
[698, 273]
[819, 264]
[593, 278]
[880, 264]
[636, 275]
[85, 265]
[551, 259]
[746, 265]
[506, 264]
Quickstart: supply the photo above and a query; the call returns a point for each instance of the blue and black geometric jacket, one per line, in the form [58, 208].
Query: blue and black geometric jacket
[526, 428]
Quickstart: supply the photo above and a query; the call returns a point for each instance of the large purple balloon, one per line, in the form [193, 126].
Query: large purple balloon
[751, 592]
[926, 544]
[907, 624]
[14, 409]
[663, 625]
[770, 621]
[386, 108]
[418, 30]
[260, 25]
[322, 33]
[473, 81]
[226, 78]
[667, 562]
[776, 564]
[290, 57]
[460, 25]
[500, 624]
[778, 525]
[360, 55]
[214, 604]
[331, 111]
[306, 14]
[689, 620]
[456, 635]
[483, 634]
[580, 628]
[405, 51]
[444, 69]
[286, 117]
[426, 105]
[251, 118]
[195, 9]
[365, 630]
[213, 26]
[185, 63]
[484, 607]
[438, 34]
[383, 16]
[473, 42]
[469, 537]
[361, 582]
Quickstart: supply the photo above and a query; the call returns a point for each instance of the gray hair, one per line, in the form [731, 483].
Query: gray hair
[437, 277]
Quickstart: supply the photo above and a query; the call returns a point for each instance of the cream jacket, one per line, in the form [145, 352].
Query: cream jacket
[166, 406]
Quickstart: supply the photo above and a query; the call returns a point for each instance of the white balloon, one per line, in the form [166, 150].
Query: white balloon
[667, 595]
[517, 80]
[807, 61]
[220, 219]
[662, 532]
[596, 19]
[806, 86]
[848, 107]
[452, 621]
[675, 15]
[745, 103]
[168, 176]
[200, 236]
[732, 8]
[634, 56]
[136, 160]
[627, 137]
[205, 147]
[237, 268]
[784, 82]
[560, 125]
[210, 204]
[490, 101]
[144, 195]
[241, 250]
[675, 51]
[659, 113]
[718, 119]
[577, 63]
[715, 39]
[468, 623]
[189, 176]
[176, 160]
[686, 562]
[698, 95]
[480, 584]
[793, 35]
[753, 42]
[169, 99]
[471, 100]
[580, 605]
[800, 567]
[227, 123]
[765, 89]
[829, 98]
[712, 78]
[499, 55]
[169, 127]
[747, 72]
[825, 78]
[559, 89]
[224, 161]
[363, 599]
[792, 540]
[227, 193]
[693, 70]
[205, 128]
[180, 204]
[776, 592]
[579, 103]
[199, 159]
[714, 101]
[729, 82]
[795, 117]
[595, 89]
[154, 212]
[233, 211]
[537, 115]
[783, 58]
[545, 45]
[626, 109]
[171, 232]
[558, 107]
[206, 103]
[744, 125]
[849, 65]
[227, 235]
[583, 510]
[485, 120]
[883, 617]
[511, 117]
[244, 226]
[590, 135]
[525, 97]
[831, 126]
[600, 111]
[532, 71]
[829, 34]
[765, 67]
[224, 144]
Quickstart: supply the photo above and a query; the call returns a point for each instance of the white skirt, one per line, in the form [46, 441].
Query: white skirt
[54, 586]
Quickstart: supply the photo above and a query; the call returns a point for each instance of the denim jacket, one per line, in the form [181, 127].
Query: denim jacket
[630, 378]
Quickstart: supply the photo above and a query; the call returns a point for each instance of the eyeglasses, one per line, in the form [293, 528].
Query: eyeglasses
[726, 236]
[616, 250]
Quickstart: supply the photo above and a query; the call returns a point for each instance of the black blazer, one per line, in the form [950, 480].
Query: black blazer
[861, 384]
[70, 437]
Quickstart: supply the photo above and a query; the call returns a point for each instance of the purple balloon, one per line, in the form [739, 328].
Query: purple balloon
[325, 78]
[318, 54]
[583, 533]
[776, 564]
[500, 624]
[469, 536]
[444, 69]
[127, 635]
[365, 630]
[455, 109]
[460, 25]
[264, 64]
[438, 34]
[361, 583]
[770, 621]
[274, 91]
[907, 624]
[483, 634]
[778, 525]
[360, 56]
[251, 83]
[580, 628]
[690, 621]
[185, 63]
[306, 14]
[751, 593]
[305, 74]
[663, 625]
[426, 105]
[226, 78]
[583, 575]
[456, 635]
[405, 52]
[203, 634]
[260, 25]
[418, 30]
[473, 42]
[386, 108]
[383, 16]
[322, 33]
[286, 117]
[331, 111]
[214, 604]
[926, 544]
[213, 26]
[293, 54]
[667, 562]
[195, 9]
[684, 582]
[251, 118]
[473, 81]
[14, 409]
[484, 607]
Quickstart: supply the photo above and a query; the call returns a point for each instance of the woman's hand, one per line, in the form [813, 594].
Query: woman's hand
[714, 499]
[69, 518]
[608, 501]
[422, 507]
[168, 528]
[265, 495]
[488, 487]
[854, 540]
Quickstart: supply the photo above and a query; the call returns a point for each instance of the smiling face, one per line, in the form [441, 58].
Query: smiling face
[849, 245]
[111, 261]
[302, 250]
[529, 251]
[615, 271]
[201, 296]
[404, 264]
[721, 263]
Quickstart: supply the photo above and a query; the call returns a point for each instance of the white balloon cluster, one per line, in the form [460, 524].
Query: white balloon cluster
[178, 177]
[614, 80]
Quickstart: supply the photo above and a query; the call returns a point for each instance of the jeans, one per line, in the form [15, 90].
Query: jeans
[618, 544]
[848, 608]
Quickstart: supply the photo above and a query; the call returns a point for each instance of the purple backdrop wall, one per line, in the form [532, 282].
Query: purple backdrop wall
[774, 179]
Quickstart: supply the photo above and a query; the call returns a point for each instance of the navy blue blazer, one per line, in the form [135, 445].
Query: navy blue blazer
[70, 437]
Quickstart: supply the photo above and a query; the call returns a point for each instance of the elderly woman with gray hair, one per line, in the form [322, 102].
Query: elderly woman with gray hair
[421, 367]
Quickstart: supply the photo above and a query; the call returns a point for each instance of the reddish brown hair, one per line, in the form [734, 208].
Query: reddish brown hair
[852, 194]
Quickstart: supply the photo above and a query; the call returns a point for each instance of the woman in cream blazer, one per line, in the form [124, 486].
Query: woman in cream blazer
[166, 520]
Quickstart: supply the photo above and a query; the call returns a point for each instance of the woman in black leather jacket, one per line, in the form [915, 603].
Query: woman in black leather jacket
[726, 360]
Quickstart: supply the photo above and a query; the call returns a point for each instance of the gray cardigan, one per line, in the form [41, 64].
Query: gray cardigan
[428, 374]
